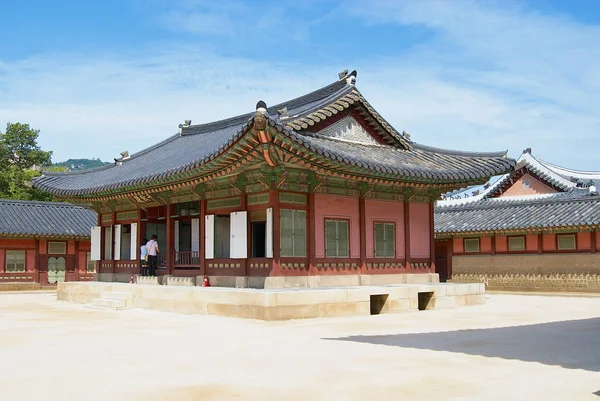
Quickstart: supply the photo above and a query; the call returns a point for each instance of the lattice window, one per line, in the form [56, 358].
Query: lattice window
[471, 244]
[59, 248]
[516, 243]
[566, 242]
[385, 240]
[15, 261]
[337, 239]
[288, 197]
[90, 264]
[292, 225]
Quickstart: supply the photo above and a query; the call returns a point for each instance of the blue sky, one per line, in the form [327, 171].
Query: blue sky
[100, 77]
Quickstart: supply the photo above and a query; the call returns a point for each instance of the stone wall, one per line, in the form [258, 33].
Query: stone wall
[567, 272]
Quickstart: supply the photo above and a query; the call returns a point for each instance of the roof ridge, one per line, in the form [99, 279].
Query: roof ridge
[320, 93]
[497, 203]
[551, 166]
[41, 203]
[452, 152]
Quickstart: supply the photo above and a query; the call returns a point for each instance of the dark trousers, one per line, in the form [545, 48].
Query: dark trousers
[152, 259]
[144, 268]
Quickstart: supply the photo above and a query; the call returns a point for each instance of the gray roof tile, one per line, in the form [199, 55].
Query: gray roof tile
[199, 144]
[45, 219]
[563, 209]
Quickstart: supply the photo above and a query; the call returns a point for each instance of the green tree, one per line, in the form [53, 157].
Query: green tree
[21, 159]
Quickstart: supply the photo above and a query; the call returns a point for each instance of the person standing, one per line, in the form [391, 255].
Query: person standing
[152, 248]
[144, 257]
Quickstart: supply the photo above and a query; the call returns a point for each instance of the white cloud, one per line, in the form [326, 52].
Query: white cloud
[488, 79]
[497, 74]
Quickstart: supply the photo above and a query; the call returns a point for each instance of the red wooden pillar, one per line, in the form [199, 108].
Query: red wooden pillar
[363, 235]
[76, 267]
[493, 244]
[311, 229]
[202, 238]
[592, 241]
[36, 267]
[141, 229]
[170, 240]
[98, 263]
[407, 236]
[112, 245]
[276, 270]
[432, 239]
[540, 243]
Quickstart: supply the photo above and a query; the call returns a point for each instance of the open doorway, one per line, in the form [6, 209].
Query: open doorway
[259, 238]
[222, 236]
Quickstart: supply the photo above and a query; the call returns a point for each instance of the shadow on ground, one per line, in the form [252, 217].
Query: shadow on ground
[573, 344]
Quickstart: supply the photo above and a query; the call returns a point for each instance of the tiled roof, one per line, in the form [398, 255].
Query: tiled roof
[45, 219]
[575, 208]
[198, 144]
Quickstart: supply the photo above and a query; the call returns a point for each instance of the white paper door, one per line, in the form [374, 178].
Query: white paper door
[238, 245]
[117, 248]
[195, 235]
[269, 233]
[96, 242]
[176, 232]
[209, 239]
[134, 244]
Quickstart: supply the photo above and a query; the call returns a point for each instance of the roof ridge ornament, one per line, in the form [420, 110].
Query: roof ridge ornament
[350, 78]
[528, 151]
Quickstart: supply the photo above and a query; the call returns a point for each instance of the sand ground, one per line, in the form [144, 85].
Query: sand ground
[513, 348]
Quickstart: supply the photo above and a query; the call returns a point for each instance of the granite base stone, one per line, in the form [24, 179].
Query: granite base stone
[278, 304]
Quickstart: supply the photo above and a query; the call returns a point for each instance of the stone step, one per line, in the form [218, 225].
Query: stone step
[115, 304]
[122, 296]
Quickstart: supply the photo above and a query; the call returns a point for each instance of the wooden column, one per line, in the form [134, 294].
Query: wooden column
[432, 237]
[407, 235]
[493, 244]
[140, 235]
[202, 237]
[593, 234]
[363, 235]
[36, 267]
[76, 267]
[170, 240]
[98, 263]
[274, 195]
[311, 250]
[540, 243]
[112, 245]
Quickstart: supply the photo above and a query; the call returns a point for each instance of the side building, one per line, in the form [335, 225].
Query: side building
[533, 229]
[318, 190]
[44, 242]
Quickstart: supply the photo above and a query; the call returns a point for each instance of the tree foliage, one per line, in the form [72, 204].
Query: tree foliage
[21, 159]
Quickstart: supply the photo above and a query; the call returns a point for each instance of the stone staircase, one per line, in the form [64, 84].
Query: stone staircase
[113, 300]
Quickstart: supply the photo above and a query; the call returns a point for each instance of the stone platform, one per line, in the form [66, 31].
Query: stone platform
[280, 304]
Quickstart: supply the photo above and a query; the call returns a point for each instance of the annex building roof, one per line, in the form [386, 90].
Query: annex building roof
[575, 203]
[335, 123]
[45, 219]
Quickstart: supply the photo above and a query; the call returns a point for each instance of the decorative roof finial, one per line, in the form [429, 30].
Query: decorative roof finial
[406, 135]
[528, 151]
[283, 113]
[187, 123]
[260, 119]
[261, 106]
[342, 74]
[351, 79]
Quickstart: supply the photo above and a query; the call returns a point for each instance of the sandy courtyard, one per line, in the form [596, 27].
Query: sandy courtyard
[514, 347]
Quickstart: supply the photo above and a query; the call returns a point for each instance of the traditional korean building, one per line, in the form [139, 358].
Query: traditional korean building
[318, 186]
[45, 242]
[533, 229]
